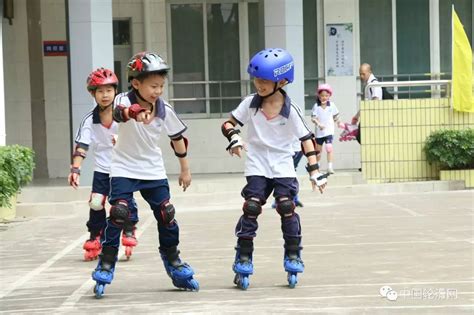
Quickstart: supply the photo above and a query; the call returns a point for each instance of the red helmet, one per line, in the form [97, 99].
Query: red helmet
[99, 77]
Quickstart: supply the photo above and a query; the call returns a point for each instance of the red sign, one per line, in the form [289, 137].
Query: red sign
[55, 48]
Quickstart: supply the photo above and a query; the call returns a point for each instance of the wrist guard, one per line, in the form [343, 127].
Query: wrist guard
[134, 110]
[75, 170]
[232, 135]
[319, 179]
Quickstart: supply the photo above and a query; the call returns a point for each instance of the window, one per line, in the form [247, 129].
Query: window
[121, 30]
[208, 40]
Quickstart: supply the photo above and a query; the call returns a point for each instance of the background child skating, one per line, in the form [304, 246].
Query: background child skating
[324, 115]
[96, 131]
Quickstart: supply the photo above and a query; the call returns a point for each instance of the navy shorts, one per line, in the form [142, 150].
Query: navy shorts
[327, 139]
[261, 187]
[101, 183]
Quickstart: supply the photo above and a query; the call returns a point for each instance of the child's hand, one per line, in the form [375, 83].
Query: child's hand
[319, 181]
[145, 117]
[236, 151]
[73, 177]
[314, 120]
[185, 179]
[321, 126]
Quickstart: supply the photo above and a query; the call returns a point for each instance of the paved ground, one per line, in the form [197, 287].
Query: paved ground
[421, 245]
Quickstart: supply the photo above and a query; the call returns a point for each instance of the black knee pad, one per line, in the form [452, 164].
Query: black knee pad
[167, 212]
[119, 213]
[252, 208]
[285, 207]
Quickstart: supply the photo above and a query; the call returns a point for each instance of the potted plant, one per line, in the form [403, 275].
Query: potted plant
[16, 170]
[453, 151]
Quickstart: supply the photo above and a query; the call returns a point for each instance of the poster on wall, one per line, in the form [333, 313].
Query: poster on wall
[339, 51]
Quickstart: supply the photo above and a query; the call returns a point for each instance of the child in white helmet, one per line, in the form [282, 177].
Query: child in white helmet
[137, 165]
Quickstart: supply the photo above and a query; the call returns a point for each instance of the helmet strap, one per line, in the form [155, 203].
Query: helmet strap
[275, 89]
[144, 100]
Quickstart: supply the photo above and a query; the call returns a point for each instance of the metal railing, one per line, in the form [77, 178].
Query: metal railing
[397, 84]
[410, 92]
[214, 98]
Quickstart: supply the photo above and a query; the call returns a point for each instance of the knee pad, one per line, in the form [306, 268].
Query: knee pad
[328, 147]
[167, 212]
[285, 207]
[252, 208]
[120, 214]
[97, 201]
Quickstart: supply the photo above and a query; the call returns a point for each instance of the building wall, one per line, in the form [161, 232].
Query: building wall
[56, 90]
[346, 155]
[16, 76]
[394, 134]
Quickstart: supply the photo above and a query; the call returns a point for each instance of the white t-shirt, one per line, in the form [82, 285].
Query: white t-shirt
[325, 117]
[373, 91]
[136, 154]
[94, 135]
[270, 141]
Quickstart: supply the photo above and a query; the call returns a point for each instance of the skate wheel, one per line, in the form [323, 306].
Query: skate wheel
[128, 252]
[244, 283]
[292, 280]
[194, 285]
[99, 291]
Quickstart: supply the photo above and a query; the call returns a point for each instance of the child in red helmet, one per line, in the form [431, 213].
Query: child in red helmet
[324, 115]
[97, 130]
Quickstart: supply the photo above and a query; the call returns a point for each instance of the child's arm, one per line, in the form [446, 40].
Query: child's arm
[180, 147]
[317, 179]
[337, 121]
[78, 156]
[235, 141]
[356, 117]
[317, 122]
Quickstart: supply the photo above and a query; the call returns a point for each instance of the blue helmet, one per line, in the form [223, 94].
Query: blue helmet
[272, 64]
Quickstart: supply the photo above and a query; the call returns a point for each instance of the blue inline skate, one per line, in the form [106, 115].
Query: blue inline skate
[243, 266]
[180, 272]
[292, 261]
[104, 273]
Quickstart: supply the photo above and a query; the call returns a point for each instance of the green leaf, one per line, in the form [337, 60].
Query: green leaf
[16, 170]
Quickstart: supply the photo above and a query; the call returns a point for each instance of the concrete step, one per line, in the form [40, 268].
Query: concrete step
[220, 200]
[57, 190]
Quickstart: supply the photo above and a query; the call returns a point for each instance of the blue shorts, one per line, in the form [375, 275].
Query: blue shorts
[327, 139]
[261, 187]
[101, 183]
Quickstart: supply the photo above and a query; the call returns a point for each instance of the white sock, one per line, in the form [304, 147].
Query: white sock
[330, 165]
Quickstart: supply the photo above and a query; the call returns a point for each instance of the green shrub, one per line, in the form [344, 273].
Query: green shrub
[16, 170]
[451, 149]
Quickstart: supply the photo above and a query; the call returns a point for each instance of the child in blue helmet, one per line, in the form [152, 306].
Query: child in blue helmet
[273, 123]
